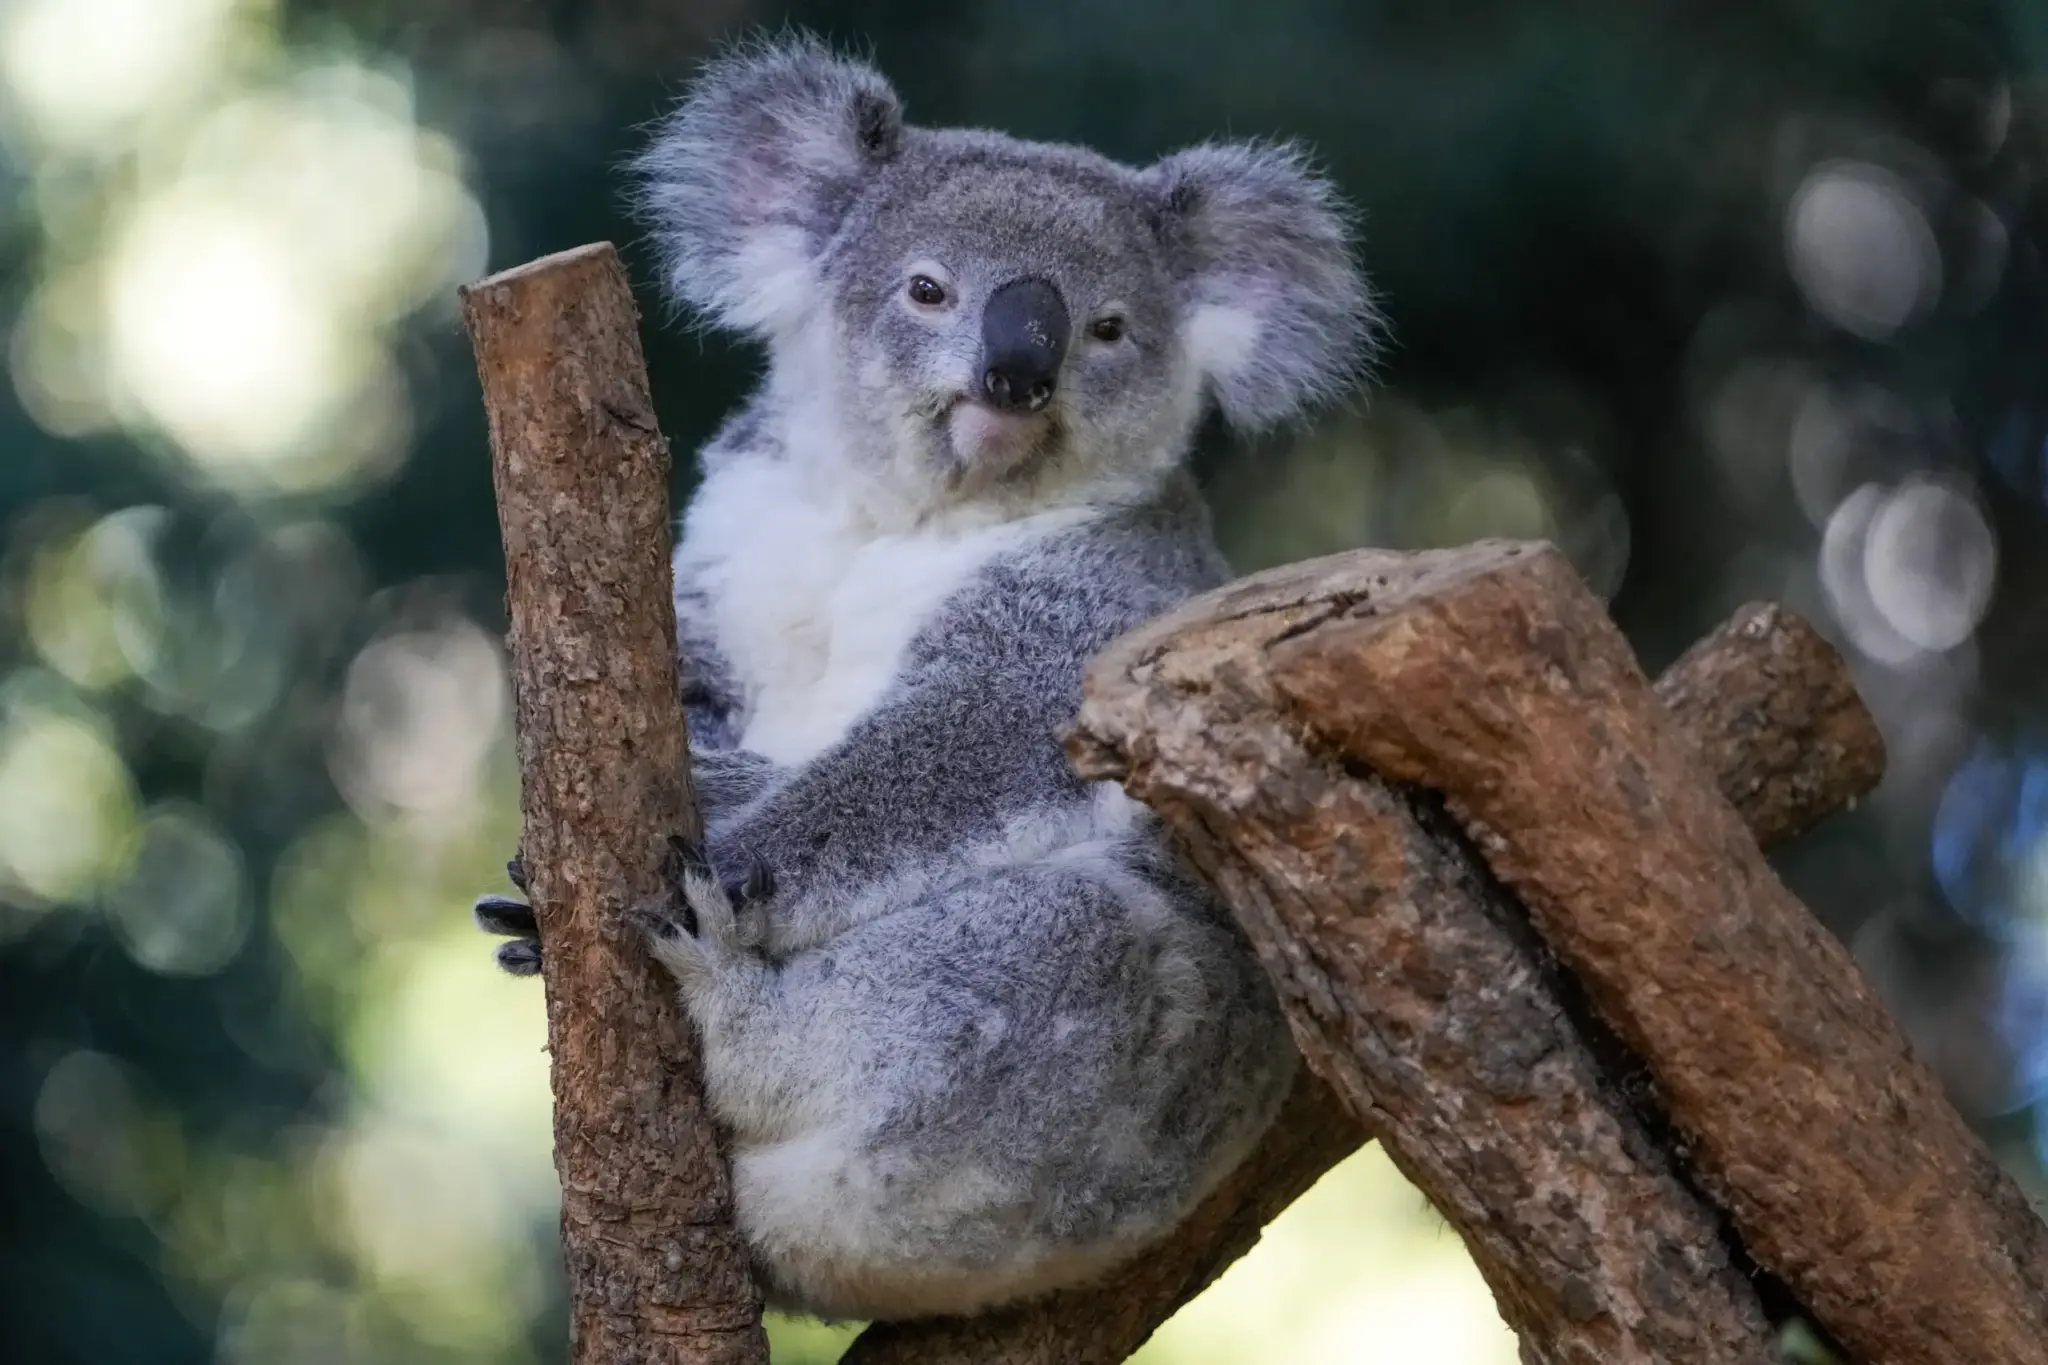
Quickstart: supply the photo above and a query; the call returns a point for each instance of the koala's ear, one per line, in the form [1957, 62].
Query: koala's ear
[1275, 311]
[745, 181]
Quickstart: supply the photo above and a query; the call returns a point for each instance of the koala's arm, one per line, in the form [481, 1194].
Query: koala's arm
[936, 765]
[961, 756]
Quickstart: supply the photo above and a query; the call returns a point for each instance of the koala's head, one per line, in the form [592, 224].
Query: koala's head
[968, 313]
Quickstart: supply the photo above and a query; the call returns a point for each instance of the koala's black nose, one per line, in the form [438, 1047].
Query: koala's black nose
[1023, 341]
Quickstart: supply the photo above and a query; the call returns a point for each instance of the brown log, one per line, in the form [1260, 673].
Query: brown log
[1782, 788]
[657, 1274]
[1492, 675]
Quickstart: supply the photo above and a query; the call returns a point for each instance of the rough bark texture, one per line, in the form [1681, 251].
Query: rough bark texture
[1776, 718]
[656, 1272]
[1443, 923]
[1493, 676]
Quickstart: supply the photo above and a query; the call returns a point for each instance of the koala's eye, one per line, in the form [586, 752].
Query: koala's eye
[926, 291]
[1107, 329]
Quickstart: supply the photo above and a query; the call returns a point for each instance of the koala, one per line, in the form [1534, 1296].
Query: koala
[973, 1030]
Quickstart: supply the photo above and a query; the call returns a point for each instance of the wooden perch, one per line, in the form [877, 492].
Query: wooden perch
[657, 1274]
[1767, 702]
[1493, 676]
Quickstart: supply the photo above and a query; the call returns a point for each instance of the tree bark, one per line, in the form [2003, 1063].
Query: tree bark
[1493, 676]
[1775, 716]
[1454, 983]
[657, 1273]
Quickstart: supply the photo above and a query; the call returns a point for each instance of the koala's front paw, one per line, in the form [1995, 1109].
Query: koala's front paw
[706, 920]
[513, 919]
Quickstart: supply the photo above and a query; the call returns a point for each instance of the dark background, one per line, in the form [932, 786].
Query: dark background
[1729, 301]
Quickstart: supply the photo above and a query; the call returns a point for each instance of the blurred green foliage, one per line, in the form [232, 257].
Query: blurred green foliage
[1729, 301]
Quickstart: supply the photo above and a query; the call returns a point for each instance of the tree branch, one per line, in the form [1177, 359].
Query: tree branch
[1442, 930]
[657, 1273]
[1492, 675]
[1776, 719]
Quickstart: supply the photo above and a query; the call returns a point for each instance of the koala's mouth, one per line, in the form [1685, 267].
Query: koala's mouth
[993, 442]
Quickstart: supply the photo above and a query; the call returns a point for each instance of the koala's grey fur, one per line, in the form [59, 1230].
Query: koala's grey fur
[974, 1031]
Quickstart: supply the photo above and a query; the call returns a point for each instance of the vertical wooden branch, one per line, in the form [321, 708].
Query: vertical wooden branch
[657, 1273]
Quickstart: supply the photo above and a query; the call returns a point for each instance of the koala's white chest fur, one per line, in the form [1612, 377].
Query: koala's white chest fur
[814, 605]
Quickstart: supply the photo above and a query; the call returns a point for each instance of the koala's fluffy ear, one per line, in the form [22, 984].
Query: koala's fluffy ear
[1275, 310]
[748, 177]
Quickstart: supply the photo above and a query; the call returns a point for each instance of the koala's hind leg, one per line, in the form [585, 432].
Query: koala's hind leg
[767, 1027]
[1000, 1089]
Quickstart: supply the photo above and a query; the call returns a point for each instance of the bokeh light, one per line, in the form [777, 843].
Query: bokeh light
[67, 800]
[80, 74]
[279, 221]
[1929, 564]
[211, 340]
[94, 602]
[419, 714]
[183, 908]
[1907, 569]
[1861, 250]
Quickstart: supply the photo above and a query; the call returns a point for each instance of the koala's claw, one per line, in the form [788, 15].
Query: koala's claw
[756, 884]
[664, 924]
[513, 919]
[685, 858]
[672, 926]
[503, 915]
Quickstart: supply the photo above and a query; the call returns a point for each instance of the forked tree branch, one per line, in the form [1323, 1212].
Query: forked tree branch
[657, 1274]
